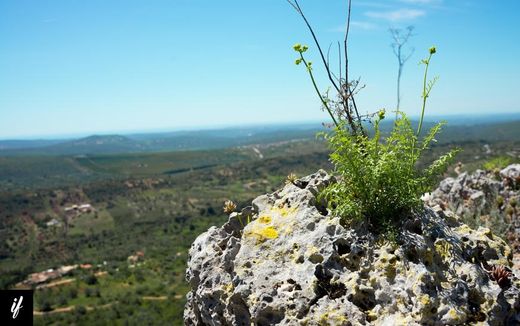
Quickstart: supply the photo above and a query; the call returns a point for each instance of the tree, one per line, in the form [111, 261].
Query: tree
[400, 38]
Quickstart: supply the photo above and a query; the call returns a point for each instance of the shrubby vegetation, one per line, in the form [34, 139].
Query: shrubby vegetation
[380, 180]
[497, 163]
[379, 177]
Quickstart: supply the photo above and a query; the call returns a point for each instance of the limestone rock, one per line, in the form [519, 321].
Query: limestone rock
[511, 172]
[484, 197]
[294, 264]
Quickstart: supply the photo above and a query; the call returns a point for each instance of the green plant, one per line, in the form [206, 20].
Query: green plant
[500, 201]
[499, 162]
[343, 108]
[380, 180]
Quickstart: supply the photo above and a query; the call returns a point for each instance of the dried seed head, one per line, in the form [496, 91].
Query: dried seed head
[229, 207]
[291, 178]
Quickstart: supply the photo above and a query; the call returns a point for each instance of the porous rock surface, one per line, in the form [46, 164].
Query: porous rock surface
[479, 194]
[476, 194]
[294, 264]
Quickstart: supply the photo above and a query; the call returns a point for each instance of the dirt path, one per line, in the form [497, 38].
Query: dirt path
[163, 297]
[90, 308]
[69, 309]
[56, 283]
[55, 311]
[66, 281]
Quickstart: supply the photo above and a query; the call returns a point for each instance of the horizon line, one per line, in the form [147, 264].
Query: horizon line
[192, 128]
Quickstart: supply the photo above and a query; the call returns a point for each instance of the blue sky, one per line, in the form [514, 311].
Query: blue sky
[100, 66]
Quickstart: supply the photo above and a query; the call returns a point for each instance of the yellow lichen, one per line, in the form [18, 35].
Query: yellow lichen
[400, 301]
[261, 232]
[269, 233]
[464, 229]
[445, 285]
[283, 211]
[265, 219]
[443, 248]
[487, 232]
[454, 314]
[332, 318]
[425, 300]
[371, 316]
[228, 287]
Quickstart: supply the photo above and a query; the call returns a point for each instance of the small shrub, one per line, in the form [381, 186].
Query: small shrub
[500, 201]
[91, 279]
[46, 306]
[61, 300]
[380, 180]
[497, 163]
[80, 310]
[72, 293]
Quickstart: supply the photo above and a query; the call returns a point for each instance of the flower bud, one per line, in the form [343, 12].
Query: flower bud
[381, 114]
[433, 50]
[297, 47]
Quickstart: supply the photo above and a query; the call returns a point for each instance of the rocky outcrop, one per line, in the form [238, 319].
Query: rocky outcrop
[488, 197]
[285, 261]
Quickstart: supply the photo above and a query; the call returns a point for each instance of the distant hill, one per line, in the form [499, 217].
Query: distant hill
[105, 144]
[460, 130]
[161, 142]
[452, 132]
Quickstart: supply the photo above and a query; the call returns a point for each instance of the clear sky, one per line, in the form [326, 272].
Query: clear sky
[101, 66]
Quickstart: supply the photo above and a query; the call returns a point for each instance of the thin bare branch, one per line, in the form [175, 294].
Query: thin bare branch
[339, 59]
[409, 55]
[328, 55]
[345, 106]
[296, 5]
[346, 40]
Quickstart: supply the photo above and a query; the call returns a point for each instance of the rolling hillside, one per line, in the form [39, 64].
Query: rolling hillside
[232, 137]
